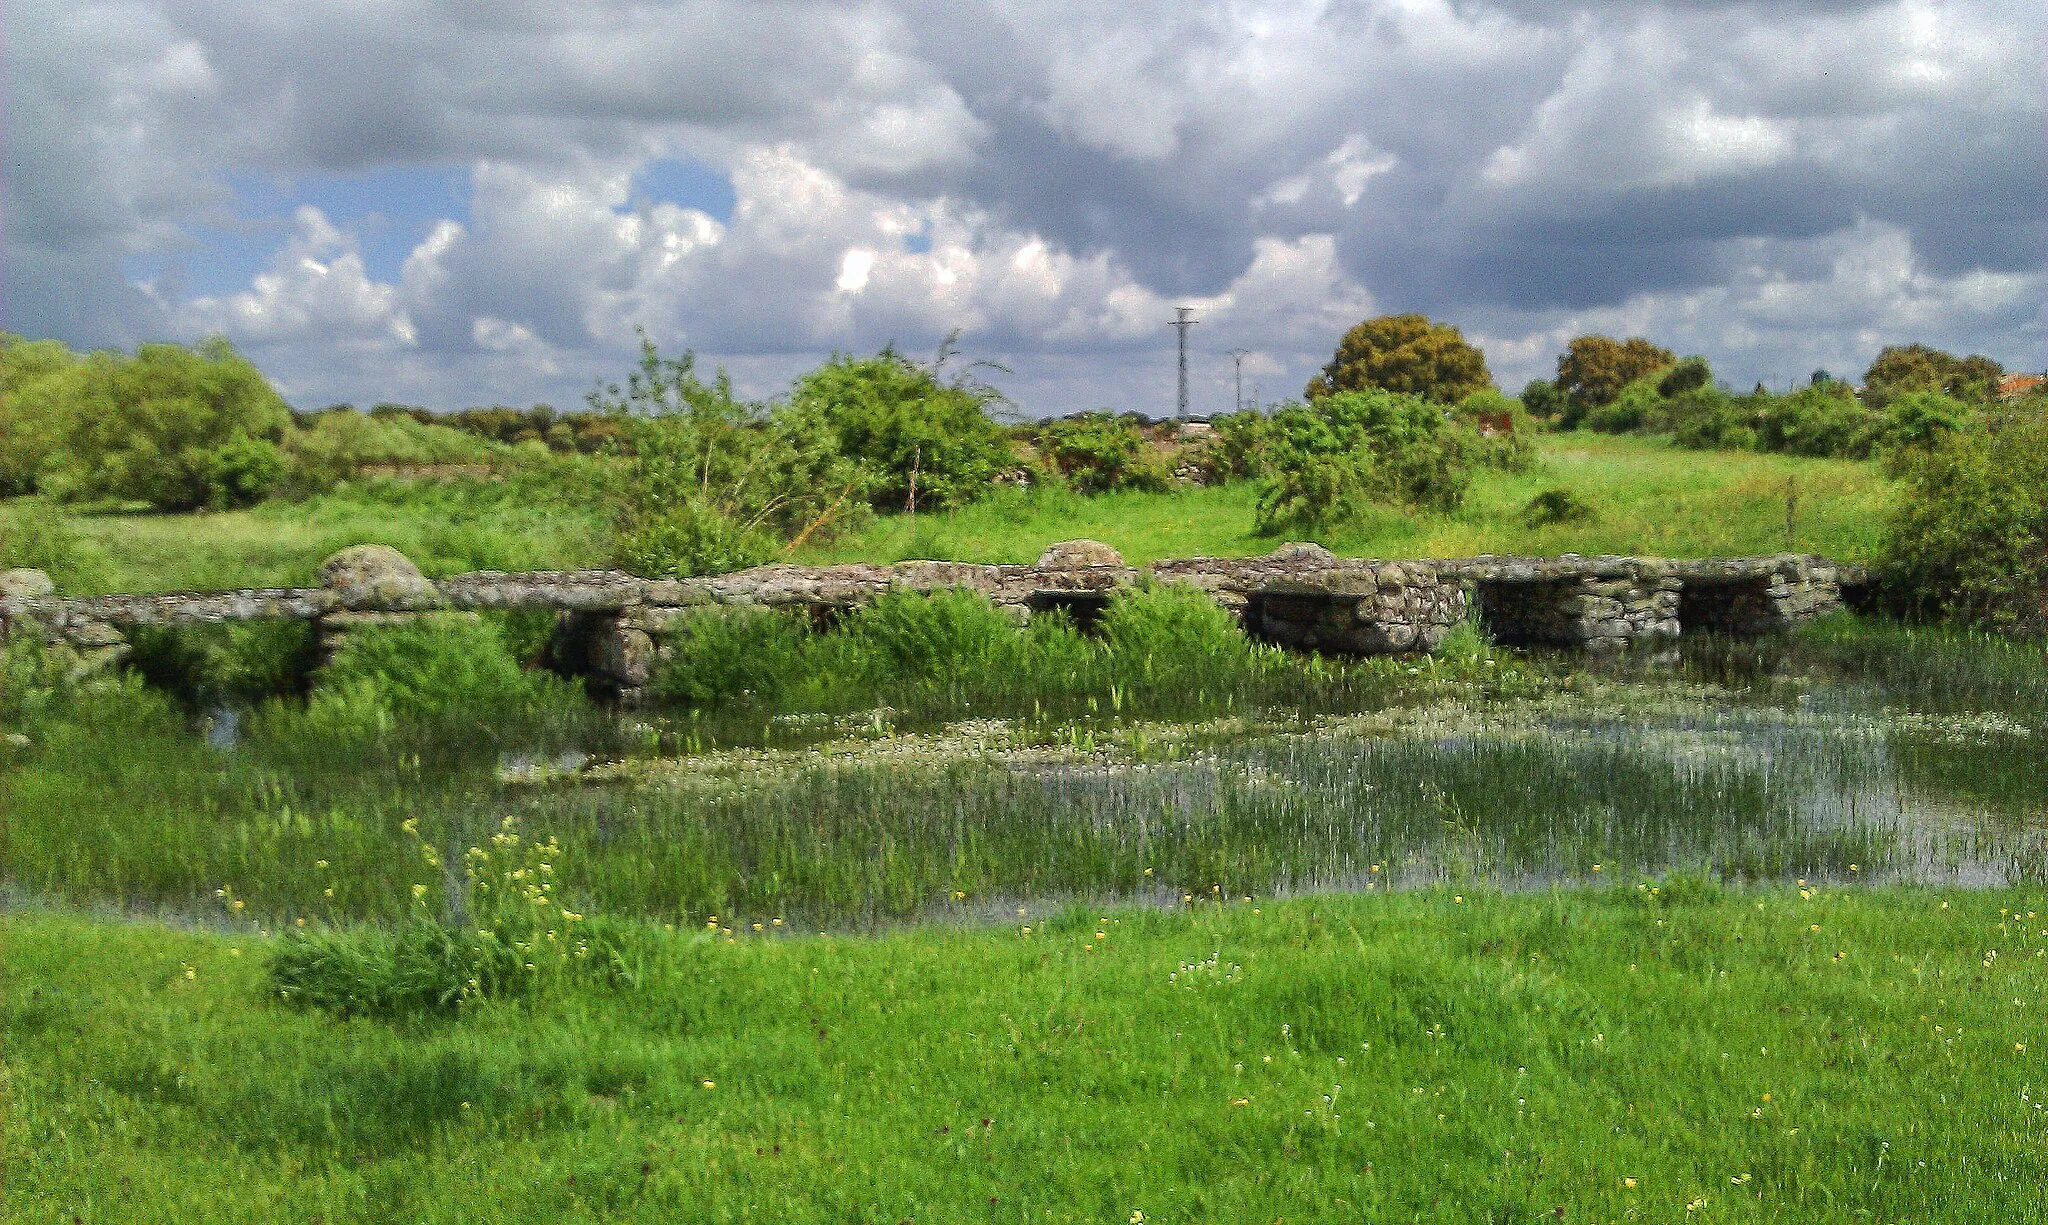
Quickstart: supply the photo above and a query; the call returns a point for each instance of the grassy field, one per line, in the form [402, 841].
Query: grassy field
[1809, 1056]
[1650, 498]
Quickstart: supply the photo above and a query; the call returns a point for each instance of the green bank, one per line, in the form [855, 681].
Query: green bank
[1673, 1053]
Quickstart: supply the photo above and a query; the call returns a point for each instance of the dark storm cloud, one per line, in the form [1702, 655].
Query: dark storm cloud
[1523, 167]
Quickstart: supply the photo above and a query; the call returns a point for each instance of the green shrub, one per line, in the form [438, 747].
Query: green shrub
[1968, 540]
[425, 664]
[1918, 420]
[1544, 400]
[1821, 420]
[716, 483]
[909, 428]
[1238, 446]
[1640, 408]
[1554, 506]
[1507, 449]
[1097, 453]
[173, 427]
[1710, 419]
[1330, 458]
[243, 471]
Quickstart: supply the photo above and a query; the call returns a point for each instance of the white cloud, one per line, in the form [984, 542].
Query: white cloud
[1764, 182]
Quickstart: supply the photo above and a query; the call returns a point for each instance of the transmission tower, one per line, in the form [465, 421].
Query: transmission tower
[1237, 357]
[1182, 325]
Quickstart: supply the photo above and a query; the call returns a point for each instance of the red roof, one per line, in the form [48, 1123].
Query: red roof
[2020, 384]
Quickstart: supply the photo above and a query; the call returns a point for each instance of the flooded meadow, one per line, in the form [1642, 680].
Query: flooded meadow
[1847, 753]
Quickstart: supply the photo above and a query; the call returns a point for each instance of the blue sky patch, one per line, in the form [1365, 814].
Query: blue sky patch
[690, 184]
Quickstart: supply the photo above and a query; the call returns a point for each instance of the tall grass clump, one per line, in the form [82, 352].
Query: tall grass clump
[423, 665]
[503, 931]
[952, 650]
[1173, 636]
[734, 652]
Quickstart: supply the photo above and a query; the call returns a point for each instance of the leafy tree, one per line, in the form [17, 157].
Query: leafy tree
[910, 427]
[1544, 399]
[1329, 459]
[1404, 353]
[1903, 369]
[1593, 370]
[174, 427]
[29, 418]
[1689, 375]
[1968, 538]
[716, 483]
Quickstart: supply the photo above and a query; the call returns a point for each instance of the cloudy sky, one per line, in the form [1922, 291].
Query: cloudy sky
[458, 202]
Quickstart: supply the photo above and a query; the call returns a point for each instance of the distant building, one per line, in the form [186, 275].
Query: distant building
[2013, 386]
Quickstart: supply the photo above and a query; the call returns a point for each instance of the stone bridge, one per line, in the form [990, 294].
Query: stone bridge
[612, 627]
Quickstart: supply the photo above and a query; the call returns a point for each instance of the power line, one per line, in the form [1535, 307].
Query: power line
[1237, 357]
[1182, 325]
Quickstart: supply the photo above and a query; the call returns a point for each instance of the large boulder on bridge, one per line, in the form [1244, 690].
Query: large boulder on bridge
[376, 577]
[1079, 554]
[25, 585]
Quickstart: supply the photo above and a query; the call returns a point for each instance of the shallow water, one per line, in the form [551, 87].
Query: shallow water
[1748, 762]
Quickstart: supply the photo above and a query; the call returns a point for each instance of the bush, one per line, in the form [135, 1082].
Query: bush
[1554, 506]
[1500, 431]
[1968, 540]
[1711, 419]
[1544, 399]
[1238, 446]
[909, 428]
[173, 427]
[243, 471]
[1919, 420]
[1097, 453]
[716, 483]
[1593, 371]
[1638, 409]
[1901, 370]
[1821, 420]
[1330, 458]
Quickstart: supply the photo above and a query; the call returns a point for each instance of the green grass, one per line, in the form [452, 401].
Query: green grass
[1650, 498]
[447, 527]
[1852, 1056]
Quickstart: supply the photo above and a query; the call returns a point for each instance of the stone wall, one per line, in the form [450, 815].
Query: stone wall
[613, 626]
